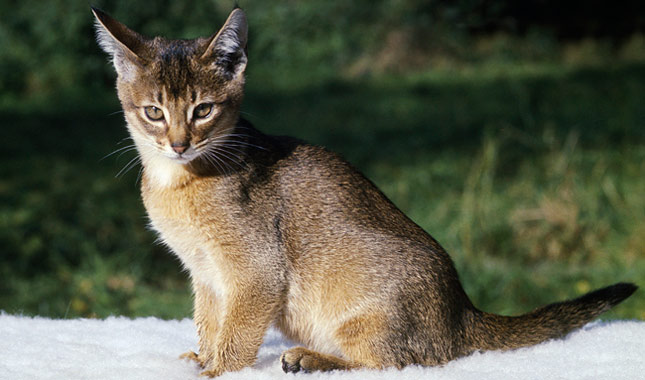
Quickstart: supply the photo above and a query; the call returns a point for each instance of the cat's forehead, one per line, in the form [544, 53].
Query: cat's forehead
[214, 64]
[176, 67]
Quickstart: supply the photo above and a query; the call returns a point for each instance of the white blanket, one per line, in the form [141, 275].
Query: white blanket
[148, 348]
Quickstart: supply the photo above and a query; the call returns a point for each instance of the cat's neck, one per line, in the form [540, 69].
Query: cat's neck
[161, 172]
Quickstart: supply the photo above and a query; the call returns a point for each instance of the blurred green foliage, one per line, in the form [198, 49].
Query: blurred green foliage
[48, 46]
[523, 154]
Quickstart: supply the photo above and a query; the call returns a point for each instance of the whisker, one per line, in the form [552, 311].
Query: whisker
[125, 138]
[226, 168]
[238, 142]
[239, 164]
[134, 148]
[244, 143]
[138, 176]
[217, 150]
[219, 153]
[247, 114]
[232, 149]
[215, 160]
[201, 144]
[121, 150]
[131, 164]
[233, 134]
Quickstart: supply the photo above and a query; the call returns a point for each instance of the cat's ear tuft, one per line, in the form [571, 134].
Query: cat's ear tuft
[125, 46]
[227, 49]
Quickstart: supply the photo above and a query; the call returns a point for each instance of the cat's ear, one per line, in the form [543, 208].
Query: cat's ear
[227, 49]
[125, 46]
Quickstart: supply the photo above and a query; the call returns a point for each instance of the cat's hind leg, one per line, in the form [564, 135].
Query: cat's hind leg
[362, 341]
[302, 359]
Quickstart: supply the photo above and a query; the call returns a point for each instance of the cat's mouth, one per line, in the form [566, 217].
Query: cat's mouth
[184, 153]
[182, 160]
[184, 157]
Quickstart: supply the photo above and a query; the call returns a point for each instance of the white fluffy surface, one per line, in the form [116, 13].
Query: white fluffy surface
[148, 348]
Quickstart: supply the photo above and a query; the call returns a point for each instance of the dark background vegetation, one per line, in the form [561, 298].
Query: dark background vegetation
[512, 131]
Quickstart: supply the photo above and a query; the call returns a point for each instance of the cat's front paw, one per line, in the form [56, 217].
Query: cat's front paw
[202, 360]
[190, 355]
[203, 363]
[214, 372]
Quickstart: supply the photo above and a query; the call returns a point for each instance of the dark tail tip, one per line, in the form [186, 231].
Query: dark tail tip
[612, 295]
[494, 332]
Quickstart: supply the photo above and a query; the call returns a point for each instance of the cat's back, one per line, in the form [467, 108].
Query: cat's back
[317, 183]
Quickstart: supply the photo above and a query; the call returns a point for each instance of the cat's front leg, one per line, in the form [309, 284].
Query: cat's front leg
[206, 320]
[248, 311]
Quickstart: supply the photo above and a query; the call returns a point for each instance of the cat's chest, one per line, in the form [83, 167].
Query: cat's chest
[184, 222]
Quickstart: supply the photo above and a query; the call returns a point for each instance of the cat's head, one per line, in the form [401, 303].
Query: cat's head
[179, 96]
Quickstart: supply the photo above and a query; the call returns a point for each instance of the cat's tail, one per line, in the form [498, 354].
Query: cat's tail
[496, 332]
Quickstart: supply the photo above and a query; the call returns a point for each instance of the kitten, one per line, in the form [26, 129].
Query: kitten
[276, 231]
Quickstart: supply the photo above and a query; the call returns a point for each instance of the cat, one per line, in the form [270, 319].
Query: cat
[275, 231]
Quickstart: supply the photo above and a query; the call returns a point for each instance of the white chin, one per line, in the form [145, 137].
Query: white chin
[183, 159]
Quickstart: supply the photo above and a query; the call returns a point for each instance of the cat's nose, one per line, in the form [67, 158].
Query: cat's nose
[179, 147]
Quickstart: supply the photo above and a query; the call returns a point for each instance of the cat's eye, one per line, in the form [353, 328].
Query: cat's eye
[153, 113]
[203, 110]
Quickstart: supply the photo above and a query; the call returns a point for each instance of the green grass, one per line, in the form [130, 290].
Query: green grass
[532, 177]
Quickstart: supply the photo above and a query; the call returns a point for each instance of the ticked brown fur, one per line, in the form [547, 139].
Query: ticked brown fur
[278, 232]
